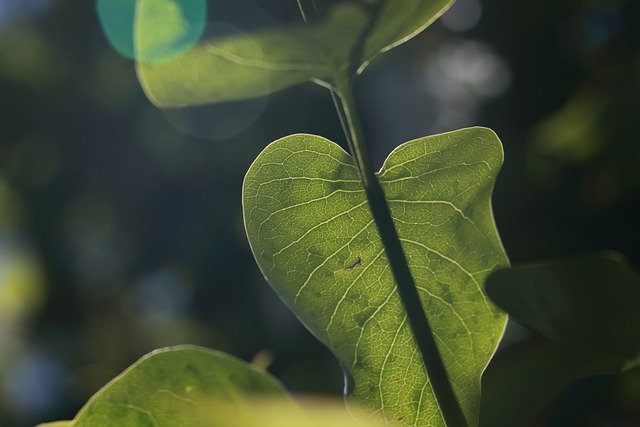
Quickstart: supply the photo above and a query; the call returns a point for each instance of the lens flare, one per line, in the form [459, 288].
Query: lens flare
[152, 30]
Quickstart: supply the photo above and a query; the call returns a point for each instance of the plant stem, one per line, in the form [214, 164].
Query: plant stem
[434, 366]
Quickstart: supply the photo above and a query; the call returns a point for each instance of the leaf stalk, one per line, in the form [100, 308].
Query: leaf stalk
[405, 283]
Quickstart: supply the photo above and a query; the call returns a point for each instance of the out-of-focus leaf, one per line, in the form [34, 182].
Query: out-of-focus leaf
[189, 386]
[57, 424]
[170, 386]
[167, 28]
[575, 133]
[314, 238]
[587, 306]
[177, 26]
[313, 412]
[255, 64]
[585, 314]
[22, 285]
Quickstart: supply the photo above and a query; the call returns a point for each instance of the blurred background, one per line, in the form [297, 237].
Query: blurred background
[121, 224]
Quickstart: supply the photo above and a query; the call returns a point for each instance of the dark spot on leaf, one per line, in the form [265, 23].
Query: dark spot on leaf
[356, 264]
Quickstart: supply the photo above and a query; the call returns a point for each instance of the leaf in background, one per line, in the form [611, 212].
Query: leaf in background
[313, 236]
[168, 387]
[57, 424]
[165, 29]
[313, 412]
[585, 312]
[251, 65]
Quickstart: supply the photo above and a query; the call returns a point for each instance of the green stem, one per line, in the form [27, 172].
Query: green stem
[436, 371]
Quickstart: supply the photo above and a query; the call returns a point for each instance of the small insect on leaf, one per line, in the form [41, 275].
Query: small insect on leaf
[356, 264]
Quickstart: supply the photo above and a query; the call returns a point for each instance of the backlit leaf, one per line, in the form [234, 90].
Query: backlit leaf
[254, 64]
[171, 387]
[314, 239]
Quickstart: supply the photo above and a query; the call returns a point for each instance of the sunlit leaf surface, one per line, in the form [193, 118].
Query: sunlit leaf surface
[57, 424]
[171, 387]
[312, 412]
[313, 236]
[251, 65]
[189, 386]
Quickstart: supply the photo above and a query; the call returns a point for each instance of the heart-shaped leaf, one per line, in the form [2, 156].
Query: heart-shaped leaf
[170, 386]
[585, 315]
[313, 236]
[255, 64]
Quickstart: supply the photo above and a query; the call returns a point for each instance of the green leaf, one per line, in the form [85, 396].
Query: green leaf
[171, 28]
[314, 239]
[584, 312]
[313, 412]
[251, 65]
[587, 306]
[190, 386]
[57, 424]
[170, 387]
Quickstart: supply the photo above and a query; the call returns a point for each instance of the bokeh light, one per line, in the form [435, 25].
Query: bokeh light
[164, 29]
[31, 386]
[218, 121]
[21, 275]
[152, 31]
[463, 16]
[16, 10]
[117, 18]
[26, 383]
[461, 76]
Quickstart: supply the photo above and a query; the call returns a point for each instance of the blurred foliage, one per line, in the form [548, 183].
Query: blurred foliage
[22, 290]
[583, 316]
[573, 110]
[175, 71]
[193, 386]
[170, 386]
[128, 219]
